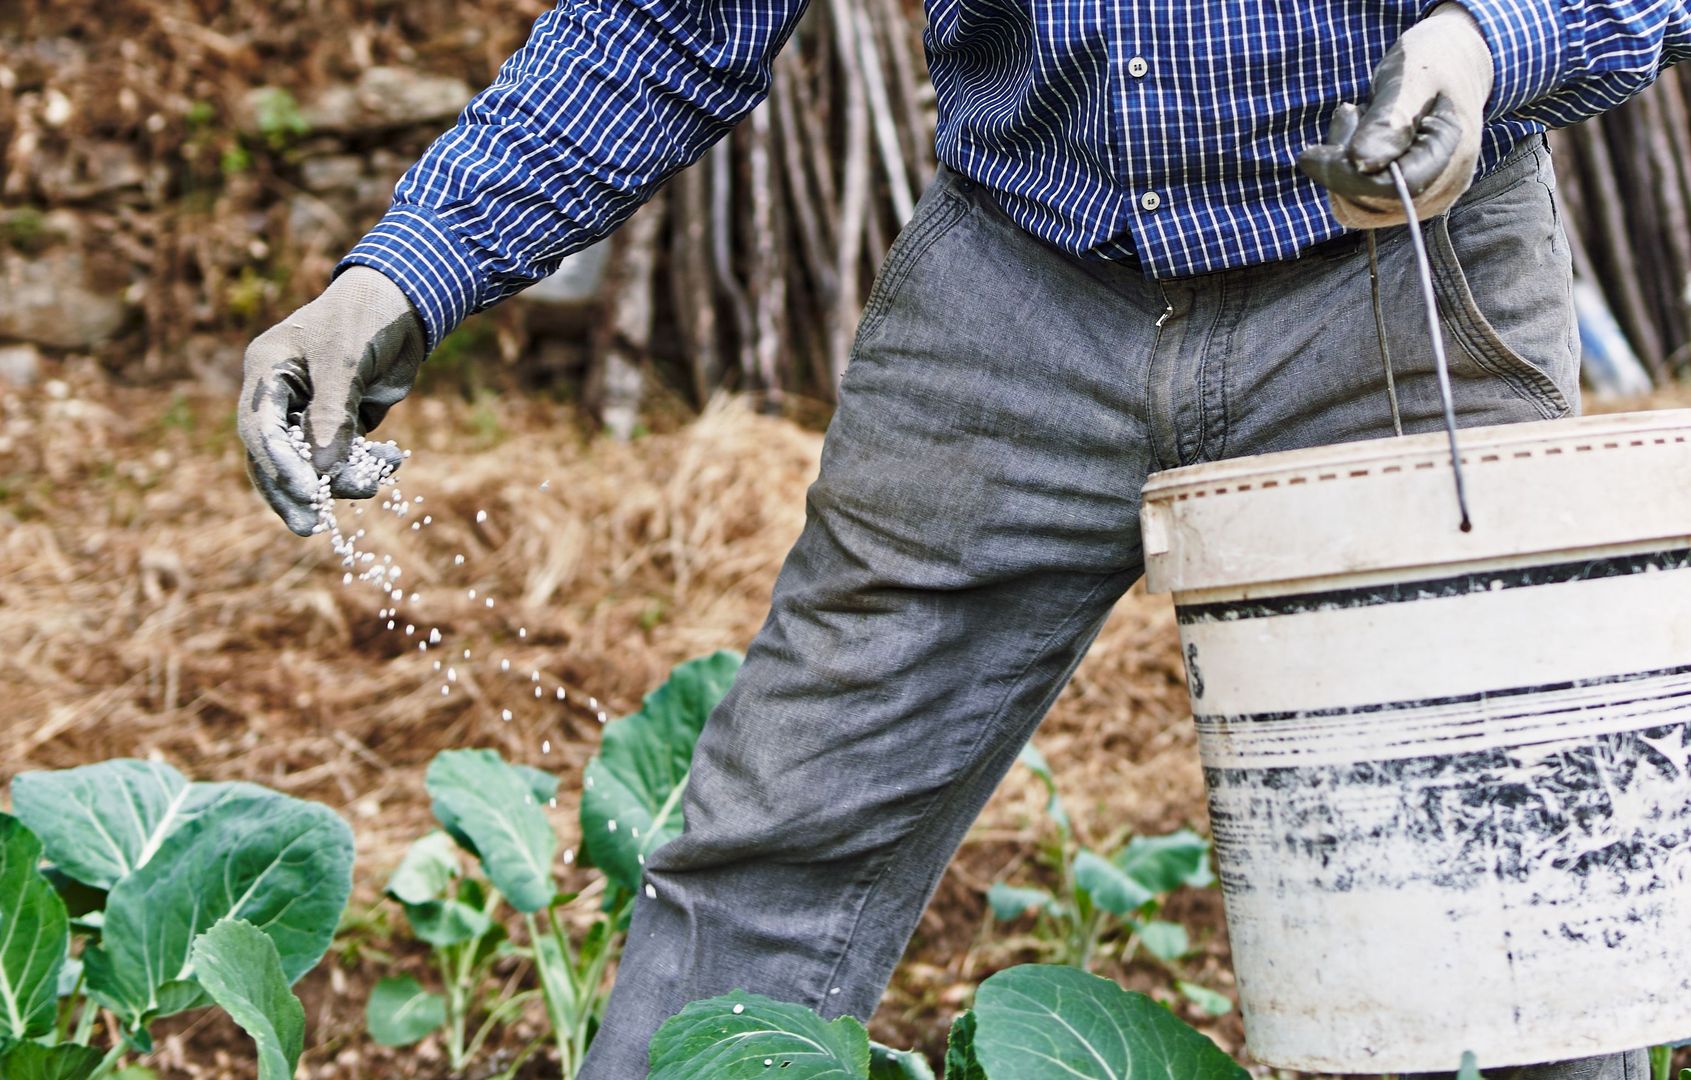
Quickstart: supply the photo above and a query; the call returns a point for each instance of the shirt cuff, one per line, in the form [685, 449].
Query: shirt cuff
[1529, 49]
[418, 252]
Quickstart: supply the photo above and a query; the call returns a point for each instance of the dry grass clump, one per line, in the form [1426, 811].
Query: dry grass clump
[151, 605]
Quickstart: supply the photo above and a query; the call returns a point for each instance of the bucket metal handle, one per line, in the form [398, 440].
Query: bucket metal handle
[1442, 365]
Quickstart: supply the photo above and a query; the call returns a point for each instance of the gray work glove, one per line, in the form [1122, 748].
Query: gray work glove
[1427, 112]
[334, 367]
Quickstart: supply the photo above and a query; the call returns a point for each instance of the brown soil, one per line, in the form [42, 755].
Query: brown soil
[151, 606]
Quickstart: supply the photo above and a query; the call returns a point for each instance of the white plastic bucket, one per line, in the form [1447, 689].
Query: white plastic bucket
[1449, 773]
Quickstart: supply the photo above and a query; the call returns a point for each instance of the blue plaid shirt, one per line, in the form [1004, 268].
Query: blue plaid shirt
[1162, 130]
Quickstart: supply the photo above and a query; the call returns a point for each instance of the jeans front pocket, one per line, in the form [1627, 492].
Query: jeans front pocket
[942, 206]
[1503, 278]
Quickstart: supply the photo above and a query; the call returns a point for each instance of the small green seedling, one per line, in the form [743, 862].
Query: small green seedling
[1111, 902]
[157, 896]
[457, 915]
[494, 811]
[1034, 1022]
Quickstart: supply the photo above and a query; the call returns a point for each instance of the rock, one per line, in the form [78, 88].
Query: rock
[20, 365]
[34, 61]
[388, 97]
[313, 216]
[575, 281]
[56, 109]
[374, 195]
[62, 296]
[87, 168]
[381, 172]
[565, 304]
[339, 172]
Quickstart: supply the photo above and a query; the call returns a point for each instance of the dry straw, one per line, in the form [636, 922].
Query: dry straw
[149, 604]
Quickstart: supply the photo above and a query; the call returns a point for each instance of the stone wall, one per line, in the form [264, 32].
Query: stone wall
[176, 175]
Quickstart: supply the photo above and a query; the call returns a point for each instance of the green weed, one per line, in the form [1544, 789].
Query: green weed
[1108, 903]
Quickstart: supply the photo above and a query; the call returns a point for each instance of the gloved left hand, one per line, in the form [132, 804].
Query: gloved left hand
[1427, 113]
[334, 368]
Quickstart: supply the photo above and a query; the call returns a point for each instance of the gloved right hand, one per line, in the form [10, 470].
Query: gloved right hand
[1426, 113]
[334, 367]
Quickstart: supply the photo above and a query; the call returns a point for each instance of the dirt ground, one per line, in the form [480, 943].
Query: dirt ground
[151, 606]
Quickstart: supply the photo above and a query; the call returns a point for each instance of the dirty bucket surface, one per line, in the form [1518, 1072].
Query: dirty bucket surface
[1449, 773]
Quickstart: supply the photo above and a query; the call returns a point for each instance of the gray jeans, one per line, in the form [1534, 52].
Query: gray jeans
[975, 519]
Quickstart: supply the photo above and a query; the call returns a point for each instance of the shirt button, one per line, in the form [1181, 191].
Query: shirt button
[1150, 200]
[1137, 67]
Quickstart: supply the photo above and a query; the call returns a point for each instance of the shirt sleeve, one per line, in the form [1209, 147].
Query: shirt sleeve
[601, 105]
[1560, 61]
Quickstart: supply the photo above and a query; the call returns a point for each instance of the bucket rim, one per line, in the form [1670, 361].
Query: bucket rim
[1479, 446]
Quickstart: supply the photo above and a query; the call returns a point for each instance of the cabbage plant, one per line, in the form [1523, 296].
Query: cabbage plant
[127, 890]
[1033, 1022]
[493, 812]
[1111, 900]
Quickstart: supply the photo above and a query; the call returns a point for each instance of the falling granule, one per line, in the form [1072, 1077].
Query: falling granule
[457, 560]
[522, 631]
[399, 594]
[634, 831]
[437, 665]
[488, 601]
[834, 991]
[553, 803]
[611, 825]
[546, 746]
[601, 718]
[466, 654]
[346, 579]
[434, 635]
[560, 689]
[427, 520]
[445, 690]
[504, 665]
[481, 516]
[652, 894]
[472, 594]
[534, 676]
[415, 525]
[422, 646]
[390, 624]
[415, 598]
[505, 714]
[418, 499]
[544, 484]
[538, 691]
[451, 674]
[738, 1009]
[587, 781]
[569, 856]
[592, 702]
[641, 858]
[410, 628]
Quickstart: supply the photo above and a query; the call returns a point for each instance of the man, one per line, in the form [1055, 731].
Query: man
[1121, 269]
